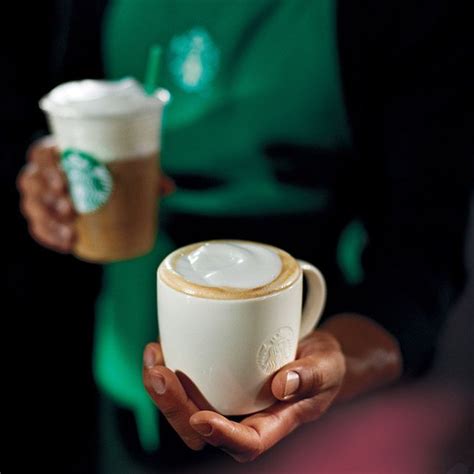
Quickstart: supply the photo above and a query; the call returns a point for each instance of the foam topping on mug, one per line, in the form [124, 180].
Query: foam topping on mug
[230, 264]
[100, 98]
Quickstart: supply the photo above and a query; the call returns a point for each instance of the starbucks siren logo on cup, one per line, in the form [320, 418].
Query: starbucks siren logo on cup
[90, 181]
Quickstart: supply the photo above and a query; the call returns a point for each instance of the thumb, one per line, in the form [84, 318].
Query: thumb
[306, 377]
[298, 379]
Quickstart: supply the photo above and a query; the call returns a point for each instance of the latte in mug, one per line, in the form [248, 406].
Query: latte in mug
[108, 133]
[230, 315]
[229, 270]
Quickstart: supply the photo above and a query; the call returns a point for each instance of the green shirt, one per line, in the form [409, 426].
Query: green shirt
[241, 73]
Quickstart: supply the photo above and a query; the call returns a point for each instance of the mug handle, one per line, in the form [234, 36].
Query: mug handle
[315, 299]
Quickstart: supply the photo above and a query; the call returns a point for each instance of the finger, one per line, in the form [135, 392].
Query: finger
[248, 439]
[36, 181]
[45, 156]
[170, 397]
[255, 434]
[166, 185]
[30, 180]
[43, 152]
[55, 178]
[242, 442]
[58, 211]
[59, 238]
[64, 209]
[153, 355]
[38, 197]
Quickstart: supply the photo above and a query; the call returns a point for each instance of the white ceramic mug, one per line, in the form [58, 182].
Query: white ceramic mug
[230, 349]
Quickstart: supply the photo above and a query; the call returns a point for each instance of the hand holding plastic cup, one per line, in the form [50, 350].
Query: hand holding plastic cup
[108, 134]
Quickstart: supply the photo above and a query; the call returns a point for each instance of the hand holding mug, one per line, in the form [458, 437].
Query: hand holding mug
[305, 389]
[230, 320]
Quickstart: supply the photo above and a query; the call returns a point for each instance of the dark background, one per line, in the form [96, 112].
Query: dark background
[48, 326]
[48, 314]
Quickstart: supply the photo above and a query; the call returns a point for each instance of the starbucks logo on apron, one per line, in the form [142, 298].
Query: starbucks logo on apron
[193, 60]
[90, 182]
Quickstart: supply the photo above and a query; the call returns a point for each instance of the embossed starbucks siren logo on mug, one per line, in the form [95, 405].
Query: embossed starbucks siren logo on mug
[276, 351]
[90, 182]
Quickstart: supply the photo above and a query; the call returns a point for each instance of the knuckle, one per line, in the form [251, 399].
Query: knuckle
[317, 379]
[171, 412]
[311, 378]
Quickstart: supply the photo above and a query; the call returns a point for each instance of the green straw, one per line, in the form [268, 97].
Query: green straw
[152, 69]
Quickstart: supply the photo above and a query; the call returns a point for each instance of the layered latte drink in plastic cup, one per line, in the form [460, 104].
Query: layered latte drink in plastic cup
[108, 133]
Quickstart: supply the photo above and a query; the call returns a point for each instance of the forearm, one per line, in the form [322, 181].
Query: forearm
[372, 355]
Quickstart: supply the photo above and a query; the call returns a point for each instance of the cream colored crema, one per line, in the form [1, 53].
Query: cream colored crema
[229, 269]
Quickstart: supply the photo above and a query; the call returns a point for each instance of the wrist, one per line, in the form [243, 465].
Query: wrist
[372, 355]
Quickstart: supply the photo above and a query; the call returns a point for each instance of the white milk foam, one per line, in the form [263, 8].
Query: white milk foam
[109, 119]
[230, 264]
[98, 98]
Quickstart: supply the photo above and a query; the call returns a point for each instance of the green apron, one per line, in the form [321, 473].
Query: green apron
[241, 73]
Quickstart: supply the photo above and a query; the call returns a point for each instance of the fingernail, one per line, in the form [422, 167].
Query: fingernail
[204, 429]
[159, 384]
[62, 206]
[64, 232]
[292, 383]
[149, 359]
